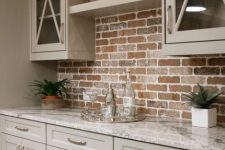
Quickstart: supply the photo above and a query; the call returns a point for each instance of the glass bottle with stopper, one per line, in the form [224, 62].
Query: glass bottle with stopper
[129, 97]
[110, 104]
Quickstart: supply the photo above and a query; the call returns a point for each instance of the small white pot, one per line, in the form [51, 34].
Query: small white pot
[204, 117]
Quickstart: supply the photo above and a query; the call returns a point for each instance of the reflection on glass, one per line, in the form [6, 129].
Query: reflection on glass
[48, 30]
[212, 17]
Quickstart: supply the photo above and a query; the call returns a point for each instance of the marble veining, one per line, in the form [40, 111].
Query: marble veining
[163, 131]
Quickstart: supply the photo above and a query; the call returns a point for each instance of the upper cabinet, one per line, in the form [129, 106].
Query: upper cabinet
[194, 27]
[56, 35]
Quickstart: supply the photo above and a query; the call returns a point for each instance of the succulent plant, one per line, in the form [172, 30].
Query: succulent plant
[203, 99]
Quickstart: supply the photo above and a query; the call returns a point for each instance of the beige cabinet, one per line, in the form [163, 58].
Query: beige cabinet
[71, 139]
[58, 35]
[53, 148]
[123, 144]
[14, 143]
[193, 27]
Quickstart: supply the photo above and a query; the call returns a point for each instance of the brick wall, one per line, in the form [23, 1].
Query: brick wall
[133, 42]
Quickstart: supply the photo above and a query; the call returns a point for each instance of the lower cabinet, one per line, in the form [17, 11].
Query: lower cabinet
[14, 143]
[123, 144]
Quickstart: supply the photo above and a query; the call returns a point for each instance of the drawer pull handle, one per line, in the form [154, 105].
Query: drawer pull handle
[77, 142]
[18, 147]
[22, 129]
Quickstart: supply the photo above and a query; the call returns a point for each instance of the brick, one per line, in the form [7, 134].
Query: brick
[159, 29]
[154, 21]
[124, 78]
[155, 87]
[209, 88]
[127, 48]
[97, 21]
[118, 26]
[109, 49]
[65, 64]
[94, 77]
[157, 71]
[102, 42]
[169, 62]
[136, 39]
[71, 70]
[86, 84]
[102, 28]
[223, 71]
[118, 41]
[159, 12]
[220, 119]
[101, 85]
[79, 64]
[147, 46]
[127, 17]
[97, 35]
[138, 86]
[166, 79]
[180, 88]
[157, 104]
[140, 102]
[98, 49]
[85, 70]
[207, 71]
[127, 62]
[147, 62]
[136, 55]
[102, 56]
[146, 14]
[169, 113]
[194, 62]
[149, 30]
[180, 71]
[117, 70]
[61, 70]
[127, 32]
[94, 63]
[216, 80]
[169, 96]
[146, 79]
[111, 78]
[179, 106]
[154, 38]
[216, 62]
[79, 77]
[186, 115]
[193, 80]
[138, 70]
[118, 56]
[136, 23]
[101, 70]
[159, 45]
[109, 19]
[110, 63]
[147, 95]
[109, 34]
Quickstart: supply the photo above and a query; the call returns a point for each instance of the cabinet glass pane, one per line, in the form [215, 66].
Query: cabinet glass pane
[48, 29]
[212, 17]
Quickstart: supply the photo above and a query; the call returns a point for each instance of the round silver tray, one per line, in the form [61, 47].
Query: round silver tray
[97, 116]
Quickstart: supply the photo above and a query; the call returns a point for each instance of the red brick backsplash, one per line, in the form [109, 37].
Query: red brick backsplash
[133, 41]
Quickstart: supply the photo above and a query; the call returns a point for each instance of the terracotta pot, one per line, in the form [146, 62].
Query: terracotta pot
[52, 102]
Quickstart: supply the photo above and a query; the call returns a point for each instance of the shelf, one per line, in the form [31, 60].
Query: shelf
[50, 16]
[102, 8]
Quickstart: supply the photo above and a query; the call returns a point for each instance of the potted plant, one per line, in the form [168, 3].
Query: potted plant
[203, 115]
[51, 92]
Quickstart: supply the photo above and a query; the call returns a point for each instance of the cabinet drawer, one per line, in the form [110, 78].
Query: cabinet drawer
[123, 144]
[31, 130]
[71, 139]
[53, 148]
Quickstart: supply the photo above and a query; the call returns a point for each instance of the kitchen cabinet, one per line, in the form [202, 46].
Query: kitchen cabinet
[16, 143]
[53, 148]
[57, 35]
[71, 139]
[193, 32]
[123, 144]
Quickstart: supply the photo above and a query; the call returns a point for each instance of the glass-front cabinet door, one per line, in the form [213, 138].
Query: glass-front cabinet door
[194, 20]
[48, 25]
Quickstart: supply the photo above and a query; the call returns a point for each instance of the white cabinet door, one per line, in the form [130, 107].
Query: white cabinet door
[48, 25]
[53, 148]
[123, 144]
[14, 143]
[10, 142]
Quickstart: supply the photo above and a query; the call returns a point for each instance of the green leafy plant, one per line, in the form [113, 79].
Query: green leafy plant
[50, 88]
[203, 99]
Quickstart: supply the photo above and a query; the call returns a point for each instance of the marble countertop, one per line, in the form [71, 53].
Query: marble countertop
[163, 131]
